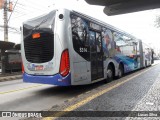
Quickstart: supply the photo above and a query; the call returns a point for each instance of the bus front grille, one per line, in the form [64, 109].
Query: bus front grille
[39, 50]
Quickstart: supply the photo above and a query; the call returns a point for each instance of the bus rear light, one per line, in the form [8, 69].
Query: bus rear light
[64, 64]
[36, 35]
[22, 68]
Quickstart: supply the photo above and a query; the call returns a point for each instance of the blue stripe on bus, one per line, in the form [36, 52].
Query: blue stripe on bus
[54, 80]
[129, 64]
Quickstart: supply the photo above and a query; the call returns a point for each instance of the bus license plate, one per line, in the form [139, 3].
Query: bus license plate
[38, 67]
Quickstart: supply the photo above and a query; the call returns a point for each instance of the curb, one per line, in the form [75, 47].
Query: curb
[9, 78]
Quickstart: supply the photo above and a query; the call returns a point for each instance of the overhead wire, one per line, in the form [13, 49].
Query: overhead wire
[23, 8]
[12, 11]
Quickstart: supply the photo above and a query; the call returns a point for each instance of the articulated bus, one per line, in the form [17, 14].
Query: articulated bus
[65, 47]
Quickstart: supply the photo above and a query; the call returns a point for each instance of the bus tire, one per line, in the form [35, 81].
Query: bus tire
[120, 71]
[110, 74]
[145, 63]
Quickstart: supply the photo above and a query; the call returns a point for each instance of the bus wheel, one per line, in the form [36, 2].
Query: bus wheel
[120, 71]
[109, 74]
[145, 63]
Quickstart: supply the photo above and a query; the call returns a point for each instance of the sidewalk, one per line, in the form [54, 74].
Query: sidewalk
[7, 77]
[150, 102]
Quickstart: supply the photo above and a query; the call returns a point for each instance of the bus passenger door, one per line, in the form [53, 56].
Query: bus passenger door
[96, 55]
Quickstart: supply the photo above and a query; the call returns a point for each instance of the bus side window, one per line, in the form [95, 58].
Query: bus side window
[118, 42]
[79, 27]
[99, 44]
[80, 36]
[76, 42]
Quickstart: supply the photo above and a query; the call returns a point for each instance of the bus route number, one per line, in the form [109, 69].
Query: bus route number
[83, 49]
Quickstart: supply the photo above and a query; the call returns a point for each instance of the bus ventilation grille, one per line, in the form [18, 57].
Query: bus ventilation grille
[39, 50]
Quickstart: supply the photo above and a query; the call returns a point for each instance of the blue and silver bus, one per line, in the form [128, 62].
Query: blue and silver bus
[65, 47]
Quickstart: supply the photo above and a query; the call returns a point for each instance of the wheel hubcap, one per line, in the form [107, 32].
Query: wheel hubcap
[109, 73]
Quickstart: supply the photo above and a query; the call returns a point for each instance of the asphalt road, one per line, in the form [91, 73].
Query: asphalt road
[18, 96]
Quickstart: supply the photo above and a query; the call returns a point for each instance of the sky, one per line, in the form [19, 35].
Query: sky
[140, 24]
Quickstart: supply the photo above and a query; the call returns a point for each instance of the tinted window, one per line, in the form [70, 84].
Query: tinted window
[80, 36]
[108, 43]
[124, 44]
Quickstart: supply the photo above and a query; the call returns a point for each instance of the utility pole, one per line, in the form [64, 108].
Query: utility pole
[5, 17]
[5, 21]
[7, 7]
